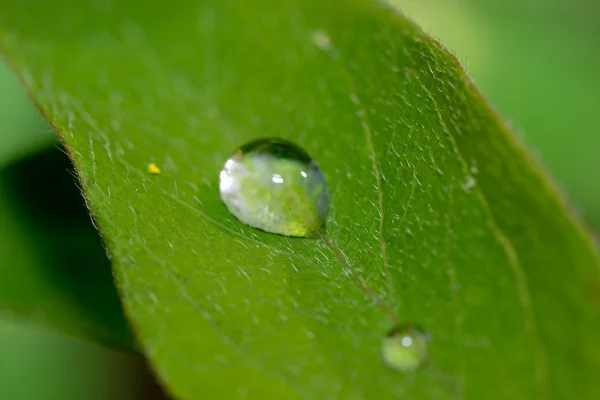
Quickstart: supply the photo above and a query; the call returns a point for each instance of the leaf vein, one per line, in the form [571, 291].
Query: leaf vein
[540, 352]
[378, 181]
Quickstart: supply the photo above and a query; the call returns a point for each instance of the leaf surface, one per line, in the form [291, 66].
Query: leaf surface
[435, 207]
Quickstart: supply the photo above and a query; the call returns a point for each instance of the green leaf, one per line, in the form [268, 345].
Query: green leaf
[507, 47]
[53, 269]
[435, 208]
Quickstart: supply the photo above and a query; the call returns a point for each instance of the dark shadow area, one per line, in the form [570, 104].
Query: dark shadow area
[42, 190]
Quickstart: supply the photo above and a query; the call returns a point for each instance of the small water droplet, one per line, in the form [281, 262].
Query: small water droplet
[274, 185]
[469, 183]
[322, 40]
[405, 348]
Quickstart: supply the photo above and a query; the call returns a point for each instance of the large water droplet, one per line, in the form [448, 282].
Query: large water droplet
[405, 348]
[274, 185]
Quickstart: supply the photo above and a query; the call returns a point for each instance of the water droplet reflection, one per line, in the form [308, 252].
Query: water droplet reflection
[404, 349]
[274, 185]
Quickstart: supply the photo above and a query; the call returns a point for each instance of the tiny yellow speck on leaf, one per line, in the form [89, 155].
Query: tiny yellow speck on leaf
[153, 169]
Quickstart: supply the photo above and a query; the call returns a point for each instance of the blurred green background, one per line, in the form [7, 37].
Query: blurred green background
[536, 61]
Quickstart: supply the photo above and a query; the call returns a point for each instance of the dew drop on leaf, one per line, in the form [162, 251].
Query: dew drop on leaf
[274, 185]
[404, 349]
